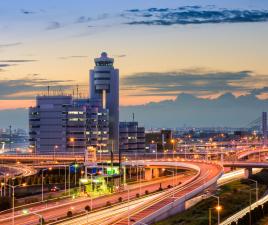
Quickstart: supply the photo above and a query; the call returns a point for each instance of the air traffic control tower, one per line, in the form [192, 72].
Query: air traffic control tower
[104, 84]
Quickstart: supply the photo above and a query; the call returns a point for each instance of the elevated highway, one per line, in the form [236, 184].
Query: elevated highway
[207, 174]
[164, 204]
[244, 154]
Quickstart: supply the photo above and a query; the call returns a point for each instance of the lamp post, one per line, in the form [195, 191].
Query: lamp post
[218, 207]
[128, 216]
[209, 216]
[72, 140]
[250, 200]
[91, 205]
[257, 189]
[5, 181]
[54, 156]
[75, 167]
[43, 182]
[100, 145]
[65, 176]
[173, 148]
[154, 145]
[69, 180]
[13, 198]
[26, 212]
[173, 181]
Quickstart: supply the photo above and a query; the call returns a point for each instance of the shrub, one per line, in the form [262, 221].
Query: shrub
[137, 195]
[120, 199]
[87, 208]
[69, 213]
[146, 192]
[42, 220]
[108, 203]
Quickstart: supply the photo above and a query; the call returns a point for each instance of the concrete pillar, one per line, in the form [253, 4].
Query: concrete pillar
[155, 172]
[222, 157]
[148, 174]
[248, 172]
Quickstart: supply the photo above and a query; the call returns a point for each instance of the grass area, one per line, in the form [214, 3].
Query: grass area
[233, 197]
[263, 221]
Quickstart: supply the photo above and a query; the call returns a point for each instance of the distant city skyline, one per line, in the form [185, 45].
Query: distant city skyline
[163, 48]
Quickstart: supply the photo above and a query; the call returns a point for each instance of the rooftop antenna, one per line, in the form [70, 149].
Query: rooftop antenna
[77, 94]
[48, 90]
[133, 117]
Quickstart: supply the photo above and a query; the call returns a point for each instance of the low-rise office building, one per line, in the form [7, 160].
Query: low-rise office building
[131, 137]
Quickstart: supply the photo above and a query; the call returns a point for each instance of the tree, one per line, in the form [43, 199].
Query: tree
[5, 203]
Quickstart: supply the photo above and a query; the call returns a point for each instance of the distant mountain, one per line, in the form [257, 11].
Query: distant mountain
[186, 109]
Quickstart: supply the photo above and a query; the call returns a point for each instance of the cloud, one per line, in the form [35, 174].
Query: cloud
[198, 82]
[26, 12]
[5, 65]
[192, 15]
[10, 44]
[27, 87]
[54, 25]
[73, 56]
[18, 60]
[83, 19]
[119, 56]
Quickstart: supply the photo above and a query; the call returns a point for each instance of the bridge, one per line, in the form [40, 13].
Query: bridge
[158, 206]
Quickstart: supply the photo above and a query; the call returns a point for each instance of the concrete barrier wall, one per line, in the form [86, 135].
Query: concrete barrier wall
[178, 205]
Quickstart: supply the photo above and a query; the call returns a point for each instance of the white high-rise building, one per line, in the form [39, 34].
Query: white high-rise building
[104, 85]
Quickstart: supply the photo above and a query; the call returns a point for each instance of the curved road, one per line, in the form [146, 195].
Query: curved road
[138, 211]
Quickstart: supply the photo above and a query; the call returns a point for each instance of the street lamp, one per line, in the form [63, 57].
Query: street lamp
[72, 140]
[27, 212]
[250, 200]
[155, 145]
[13, 198]
[100, 145]
[55, 147]
[75, 167]
[43, 181]
[173, 180]
[209, 215]
[5, 181]
[218, 207]
[84, 181]
[257, 189]
[173, 148]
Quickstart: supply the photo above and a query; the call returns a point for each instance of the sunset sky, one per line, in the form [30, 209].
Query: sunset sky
[162, 48]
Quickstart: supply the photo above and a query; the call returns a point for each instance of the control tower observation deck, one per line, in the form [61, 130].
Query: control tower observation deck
[104, 84]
